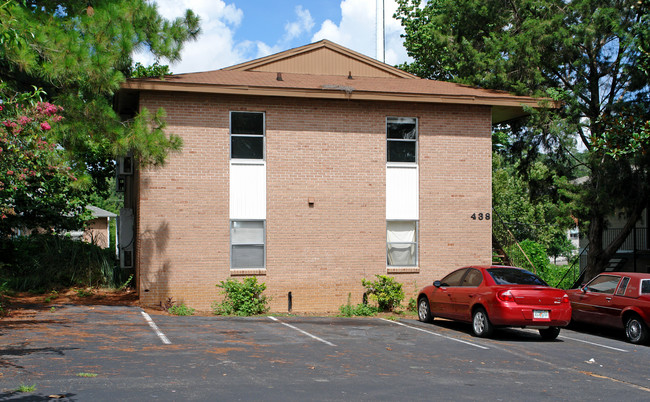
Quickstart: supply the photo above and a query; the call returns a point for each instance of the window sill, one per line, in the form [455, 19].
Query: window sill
[248, 272]
[260, 162]
[403, 270]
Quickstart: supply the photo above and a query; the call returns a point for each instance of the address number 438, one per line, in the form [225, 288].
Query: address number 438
[481, 216]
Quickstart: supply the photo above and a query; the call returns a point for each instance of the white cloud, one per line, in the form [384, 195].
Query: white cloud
[304, 24]
[216, 47]
[357, 30]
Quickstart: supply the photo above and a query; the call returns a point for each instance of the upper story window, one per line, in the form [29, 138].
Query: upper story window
[402, 139]
[247, 135]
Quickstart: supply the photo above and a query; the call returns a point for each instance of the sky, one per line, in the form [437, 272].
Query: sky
[236, 31]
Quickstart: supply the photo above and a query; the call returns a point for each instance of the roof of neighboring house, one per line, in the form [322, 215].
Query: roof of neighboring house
[326, 70]
[100, 213]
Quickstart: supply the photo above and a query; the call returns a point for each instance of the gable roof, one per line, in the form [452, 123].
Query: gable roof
[322, 58]
[325, 70]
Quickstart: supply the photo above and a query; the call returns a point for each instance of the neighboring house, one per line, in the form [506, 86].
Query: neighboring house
[97, 229]
[311, 169]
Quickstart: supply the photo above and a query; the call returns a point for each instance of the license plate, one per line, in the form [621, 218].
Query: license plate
[540, 314]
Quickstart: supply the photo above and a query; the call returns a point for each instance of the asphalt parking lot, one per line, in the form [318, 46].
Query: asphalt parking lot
[122, 353]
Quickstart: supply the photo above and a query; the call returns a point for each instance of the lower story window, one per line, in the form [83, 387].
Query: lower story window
[402, 243]
[247, 241]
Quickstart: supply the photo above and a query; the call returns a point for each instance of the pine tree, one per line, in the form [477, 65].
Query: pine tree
[75, 54]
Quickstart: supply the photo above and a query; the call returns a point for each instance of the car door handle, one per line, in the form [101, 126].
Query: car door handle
[470, 295]
[608, 298]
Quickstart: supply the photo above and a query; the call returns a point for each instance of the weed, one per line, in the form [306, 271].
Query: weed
[89, 375]
[412, 306]
[126, 283]
[385, 291]
[84, 292]
[26, 388]
[167, 304]
[242, 298]
[52, 309]
[53, 295]
[364, 310]
[180, 309]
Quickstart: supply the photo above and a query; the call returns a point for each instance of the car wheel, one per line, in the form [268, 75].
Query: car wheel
[481, 323]
[550, 333]
[424, 312]
[635, 330]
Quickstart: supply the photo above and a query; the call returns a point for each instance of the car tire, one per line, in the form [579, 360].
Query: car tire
[550, 333]
[424, 311]
[635, 330]
[481, 324]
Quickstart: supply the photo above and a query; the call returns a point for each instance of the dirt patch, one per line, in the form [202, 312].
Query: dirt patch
[24, 304]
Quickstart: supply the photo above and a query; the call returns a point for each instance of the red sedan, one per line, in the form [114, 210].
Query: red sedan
[615, 299]
[496, 296]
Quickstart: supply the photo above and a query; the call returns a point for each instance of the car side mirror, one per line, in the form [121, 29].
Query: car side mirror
[583, 288]
[437, 284]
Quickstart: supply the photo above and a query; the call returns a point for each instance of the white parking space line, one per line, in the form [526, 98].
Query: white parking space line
[301, 331]
[594, 344]
[153, 326]
[437, 334]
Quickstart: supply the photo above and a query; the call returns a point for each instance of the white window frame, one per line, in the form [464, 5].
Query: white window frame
[248, 244]
[415, 243]
[416, 141]
[263, 136]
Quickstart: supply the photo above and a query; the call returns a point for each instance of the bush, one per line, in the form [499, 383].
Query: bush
[363, 310]
[181, 309]
[550, 273]
[242, 298]
[41, 262]
[385, 291]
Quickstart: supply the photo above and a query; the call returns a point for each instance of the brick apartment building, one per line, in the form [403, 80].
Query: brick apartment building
[311, 169]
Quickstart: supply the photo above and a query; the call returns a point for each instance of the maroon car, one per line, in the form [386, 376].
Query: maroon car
[496, 296]
[615, 299]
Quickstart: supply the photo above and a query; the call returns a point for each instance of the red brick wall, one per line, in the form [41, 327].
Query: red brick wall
[334, 152]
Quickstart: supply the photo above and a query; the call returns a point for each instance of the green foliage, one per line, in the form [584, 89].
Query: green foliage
[87, 375]
[180, 309]
[360, 310]
[83, 292]
[242, 298]
[153, 71]
[555, 275]
[53, 295]
[536, 255]
[40, 262]
[413, 305]
[591, 56]
[77, 54]
[26, 388]
[126, 283]
[385, 291]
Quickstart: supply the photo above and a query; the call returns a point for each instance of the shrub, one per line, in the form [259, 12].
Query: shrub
[40, 262]
[181, 309]
[385, 291]
[413, 305]
[242, 298]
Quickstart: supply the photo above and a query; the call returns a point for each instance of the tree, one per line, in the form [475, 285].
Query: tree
[587, 54]
[77, 53]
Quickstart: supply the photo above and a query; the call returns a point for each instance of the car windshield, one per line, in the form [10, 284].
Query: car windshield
[511, 276]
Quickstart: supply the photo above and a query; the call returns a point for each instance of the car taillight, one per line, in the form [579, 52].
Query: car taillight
[505, 295]
[565, 298]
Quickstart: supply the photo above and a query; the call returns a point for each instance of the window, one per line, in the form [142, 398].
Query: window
[473, 278]
[401, 243]
[623, 286]
[454, 278]
[645, 286]
[247, 135]
[247, 240]
[401, 139]
[603, 284]
[515, 276]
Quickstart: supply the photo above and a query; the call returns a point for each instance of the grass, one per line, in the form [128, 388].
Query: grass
[87, 375]
[26, 388]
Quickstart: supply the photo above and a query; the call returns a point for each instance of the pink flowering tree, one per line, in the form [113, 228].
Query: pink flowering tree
[38, 188]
